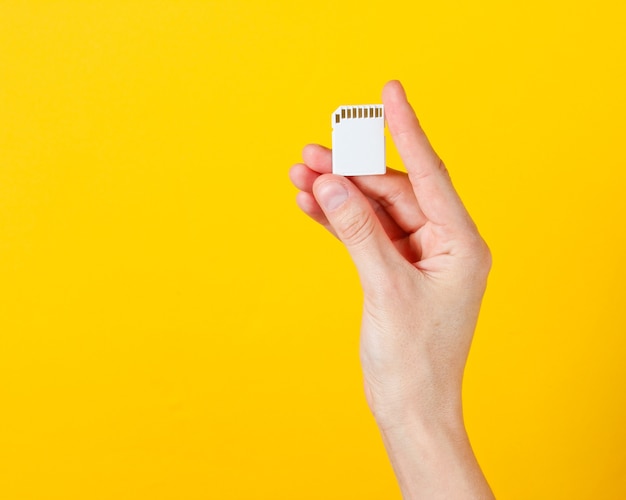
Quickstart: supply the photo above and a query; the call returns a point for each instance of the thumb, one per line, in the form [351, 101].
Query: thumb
[353, 219]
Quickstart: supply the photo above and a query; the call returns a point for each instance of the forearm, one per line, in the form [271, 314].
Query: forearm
[434, 460]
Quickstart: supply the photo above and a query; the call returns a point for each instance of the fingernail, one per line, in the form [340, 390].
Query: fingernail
[331, 195]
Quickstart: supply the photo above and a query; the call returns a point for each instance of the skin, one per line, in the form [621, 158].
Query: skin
[423, 268]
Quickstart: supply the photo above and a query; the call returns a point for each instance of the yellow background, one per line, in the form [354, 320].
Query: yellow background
[171, 327]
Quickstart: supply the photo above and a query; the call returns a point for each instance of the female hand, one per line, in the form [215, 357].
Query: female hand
[423, 268]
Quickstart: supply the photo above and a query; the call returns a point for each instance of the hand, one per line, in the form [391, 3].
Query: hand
[423, 268]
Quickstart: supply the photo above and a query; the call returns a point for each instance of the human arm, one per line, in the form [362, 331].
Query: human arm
[423, 268]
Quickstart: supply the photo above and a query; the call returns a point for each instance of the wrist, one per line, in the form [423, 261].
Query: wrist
[427, 403]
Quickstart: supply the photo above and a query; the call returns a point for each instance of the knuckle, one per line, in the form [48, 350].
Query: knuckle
[356, 229]
[441, 166]
[481, 256]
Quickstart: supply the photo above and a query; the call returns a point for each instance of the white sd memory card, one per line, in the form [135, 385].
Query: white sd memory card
[359, 140]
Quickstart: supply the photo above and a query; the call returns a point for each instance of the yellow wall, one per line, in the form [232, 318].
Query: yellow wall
[171, 327]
